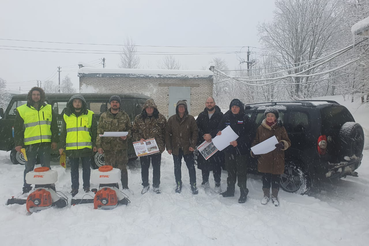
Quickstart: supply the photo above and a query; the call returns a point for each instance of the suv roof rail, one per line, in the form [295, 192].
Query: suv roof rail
[302, 102]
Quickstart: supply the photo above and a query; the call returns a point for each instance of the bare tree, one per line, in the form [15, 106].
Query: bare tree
[129, 57]
[50, 87]
[67, 86]
[169, 62]
[301, 33]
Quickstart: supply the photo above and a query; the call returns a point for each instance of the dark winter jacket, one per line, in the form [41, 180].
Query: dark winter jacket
[181, 132]
[69, 110]
[19, 122]
[209, 126]
[150, 127]
[240, 124]
[272, 162]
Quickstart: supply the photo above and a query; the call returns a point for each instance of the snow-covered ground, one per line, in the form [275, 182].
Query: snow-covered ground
[336, 214]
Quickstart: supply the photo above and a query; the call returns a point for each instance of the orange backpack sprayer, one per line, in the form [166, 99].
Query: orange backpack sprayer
[108, 196]
[44, 195]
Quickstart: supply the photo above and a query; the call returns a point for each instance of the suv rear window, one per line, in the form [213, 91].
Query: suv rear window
[333, 118]
[298, 121]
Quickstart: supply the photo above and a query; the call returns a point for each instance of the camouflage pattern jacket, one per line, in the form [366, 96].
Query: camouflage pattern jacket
[113, 123]
[150, 127]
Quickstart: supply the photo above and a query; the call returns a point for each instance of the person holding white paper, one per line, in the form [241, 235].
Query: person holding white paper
[235, 154]
[115, 149]
[271, 164]
[150, 124]
[207, 123]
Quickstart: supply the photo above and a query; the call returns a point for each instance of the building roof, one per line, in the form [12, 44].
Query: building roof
[143, 73]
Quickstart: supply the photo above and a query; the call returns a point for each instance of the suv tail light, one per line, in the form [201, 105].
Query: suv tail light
[322, 144]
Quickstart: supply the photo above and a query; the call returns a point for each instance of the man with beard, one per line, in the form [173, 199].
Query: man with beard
[114, 148]
[207, 123]
[36, 129]
[78, 137]
[235, 154]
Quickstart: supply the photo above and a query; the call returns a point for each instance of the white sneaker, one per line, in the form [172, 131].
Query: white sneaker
[145, 189]
[265, 200]
[156, 190]
[275, 201]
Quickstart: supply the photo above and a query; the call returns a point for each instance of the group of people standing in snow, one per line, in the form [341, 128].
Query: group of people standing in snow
[36, 130]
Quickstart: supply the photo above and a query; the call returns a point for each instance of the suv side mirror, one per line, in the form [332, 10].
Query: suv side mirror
[1, 112]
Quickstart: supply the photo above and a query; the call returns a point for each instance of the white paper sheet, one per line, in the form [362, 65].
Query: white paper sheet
[114, 134]
[265, 146]
[222, 141]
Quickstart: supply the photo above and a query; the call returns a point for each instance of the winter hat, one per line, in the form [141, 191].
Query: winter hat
[273, 111]
[182, 102]
[149, 103]
[115, 98]
[236, 102]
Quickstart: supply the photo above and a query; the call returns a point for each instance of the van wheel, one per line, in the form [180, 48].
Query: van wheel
[16, 157]
[352, 139]
[98, 160]
[293, 180]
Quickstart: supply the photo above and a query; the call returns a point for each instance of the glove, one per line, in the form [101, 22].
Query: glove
[279, 145]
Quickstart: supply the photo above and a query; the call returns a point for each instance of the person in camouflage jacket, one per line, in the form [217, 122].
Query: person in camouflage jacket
[150, 124]
[115, 148]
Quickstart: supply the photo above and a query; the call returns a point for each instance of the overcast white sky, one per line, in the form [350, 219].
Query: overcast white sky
[38, 36]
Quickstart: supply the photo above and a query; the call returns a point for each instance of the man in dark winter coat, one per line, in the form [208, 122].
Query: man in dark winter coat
[207, 123]
[235, 154]
[181, 140]
[35, 129]
[78, 138]
[150, 124]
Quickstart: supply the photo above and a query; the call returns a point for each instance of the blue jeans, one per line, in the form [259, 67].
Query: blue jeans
[190, 165]
[32, 151]
[74, 166]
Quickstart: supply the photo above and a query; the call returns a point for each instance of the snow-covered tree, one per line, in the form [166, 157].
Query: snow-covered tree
[301, 32]
[4, 95]
[129, 57]
[67, 86]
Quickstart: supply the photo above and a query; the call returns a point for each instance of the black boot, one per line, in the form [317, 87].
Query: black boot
[229, 192]
[179, 187]
[243, 196]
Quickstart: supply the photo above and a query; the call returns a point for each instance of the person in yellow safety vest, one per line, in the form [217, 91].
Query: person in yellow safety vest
[78, 138]
[36, 129]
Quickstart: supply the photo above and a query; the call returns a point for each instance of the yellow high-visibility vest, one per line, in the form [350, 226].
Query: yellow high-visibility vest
[78, 131]
[37, 123]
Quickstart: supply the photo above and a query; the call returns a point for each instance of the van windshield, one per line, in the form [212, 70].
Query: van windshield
[13, 108]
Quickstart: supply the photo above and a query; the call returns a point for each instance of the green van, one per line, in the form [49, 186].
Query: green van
[98, 103]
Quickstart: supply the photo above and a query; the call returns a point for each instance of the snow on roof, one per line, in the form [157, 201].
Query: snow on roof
[361, 27]
[125, 72]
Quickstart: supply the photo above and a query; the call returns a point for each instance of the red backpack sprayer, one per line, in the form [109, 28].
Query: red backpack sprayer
[45, 195]
[108, 196]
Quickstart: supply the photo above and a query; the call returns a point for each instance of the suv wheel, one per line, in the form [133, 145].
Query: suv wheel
[352, 139]
[293, 179]
[98, 160]
[16, 157]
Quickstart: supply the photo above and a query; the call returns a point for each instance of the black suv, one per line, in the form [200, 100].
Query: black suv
[326, 141]
[98, 103]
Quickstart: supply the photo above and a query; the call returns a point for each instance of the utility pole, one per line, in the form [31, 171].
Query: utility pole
[59, 77]
[248, 62]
